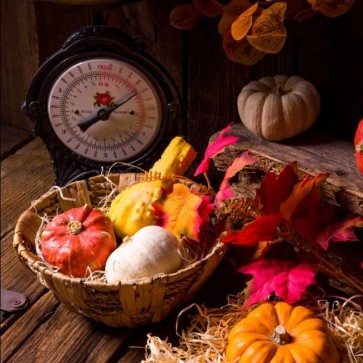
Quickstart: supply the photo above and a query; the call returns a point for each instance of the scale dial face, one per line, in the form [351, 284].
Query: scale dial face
[105, 110]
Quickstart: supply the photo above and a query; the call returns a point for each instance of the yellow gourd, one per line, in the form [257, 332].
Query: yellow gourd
[279, 107]
[133, 208]
[280, 333]
[175, 159]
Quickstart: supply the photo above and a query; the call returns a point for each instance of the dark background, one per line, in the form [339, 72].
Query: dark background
[326, 51]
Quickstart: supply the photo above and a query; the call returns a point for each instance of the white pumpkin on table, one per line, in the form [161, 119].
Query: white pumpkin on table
[278, 107]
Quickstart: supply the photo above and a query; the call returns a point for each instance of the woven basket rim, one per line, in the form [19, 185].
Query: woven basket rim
[40, 265]
[35, 262]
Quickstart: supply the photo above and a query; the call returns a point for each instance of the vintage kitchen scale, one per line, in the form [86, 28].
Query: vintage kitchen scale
[101, 101]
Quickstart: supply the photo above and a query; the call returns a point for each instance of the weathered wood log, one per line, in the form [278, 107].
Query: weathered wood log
[314, 152]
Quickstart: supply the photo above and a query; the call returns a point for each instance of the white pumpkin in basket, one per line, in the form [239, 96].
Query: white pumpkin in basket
[150, 251]
[278, 107]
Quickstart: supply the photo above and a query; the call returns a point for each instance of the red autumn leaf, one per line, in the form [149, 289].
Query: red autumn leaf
[285, 279]
[312, 215]
[215, 148]
[276, 188]
[358, 146]
[339, 232]
[263, 228]
[225, 190]
[205, 209]
[300, 191]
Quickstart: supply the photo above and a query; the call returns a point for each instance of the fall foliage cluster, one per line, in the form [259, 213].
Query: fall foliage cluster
[252, 29]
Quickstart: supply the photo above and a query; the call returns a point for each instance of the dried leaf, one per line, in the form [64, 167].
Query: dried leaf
[243, 23]
[300, 191]
[242, 51]
[261, 250]
[263, 228]
[215, 148]
[296, 9]
[312, 215]
[275, 189]
[339, 232]
[185, 16]
[230, 13]
[268, 30]
[179, 212]
[209, 8]
[331, 8]
[225, 190]
[285, 279]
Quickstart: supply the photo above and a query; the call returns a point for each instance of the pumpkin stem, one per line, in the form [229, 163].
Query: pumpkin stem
[280, 335]
[75, 227]
[279, 90]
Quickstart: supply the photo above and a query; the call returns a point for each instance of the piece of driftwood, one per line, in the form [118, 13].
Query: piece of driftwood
[314, 153]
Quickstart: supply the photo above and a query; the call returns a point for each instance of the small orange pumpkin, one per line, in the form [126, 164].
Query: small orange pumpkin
[281, 333]
[78, 240]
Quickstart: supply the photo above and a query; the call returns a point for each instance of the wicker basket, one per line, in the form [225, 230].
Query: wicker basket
[120, 304]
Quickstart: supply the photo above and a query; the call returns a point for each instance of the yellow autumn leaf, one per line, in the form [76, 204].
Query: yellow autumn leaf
[209, 8]
[241, 51]
[331, 8]
[185, 16]
[179, 211]
[270, 43]
[243, 23]
[230, 13]
[268, 30]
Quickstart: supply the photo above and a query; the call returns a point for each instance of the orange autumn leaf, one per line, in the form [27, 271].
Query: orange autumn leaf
[230, 13]
[268, 30]
[331, 8]
[242, 51]
[243, 23]
[299, 193]
[209, 8]
[185, 16]
[261, 250]
[179, 212]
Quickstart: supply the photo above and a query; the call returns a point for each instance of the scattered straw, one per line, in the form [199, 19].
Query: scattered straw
[344, 317]
[204, 340]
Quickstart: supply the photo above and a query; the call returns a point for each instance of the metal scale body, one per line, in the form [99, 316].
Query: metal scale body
[101, 101]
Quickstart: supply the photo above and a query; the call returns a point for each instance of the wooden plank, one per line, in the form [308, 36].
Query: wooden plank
[315, 153]
[25, 176]
[12, 139]
[49, 332]
[14, 338]
[19, 60]
[149, 21]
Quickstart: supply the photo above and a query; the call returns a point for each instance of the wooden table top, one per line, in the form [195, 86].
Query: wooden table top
[47, 331]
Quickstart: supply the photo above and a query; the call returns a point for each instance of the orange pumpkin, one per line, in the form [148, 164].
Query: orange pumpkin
[78, 241]
[281, 333]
